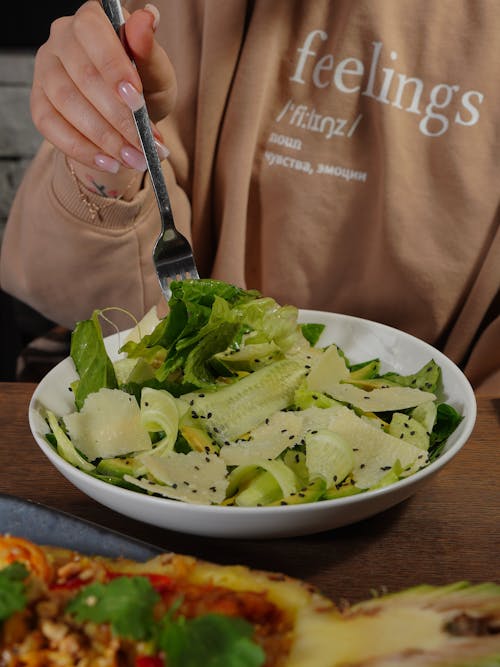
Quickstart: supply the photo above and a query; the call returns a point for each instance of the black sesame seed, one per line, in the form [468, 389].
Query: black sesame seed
[412, 432]
[361, 465]
[302, 495]
[283, 502]
[191, 402]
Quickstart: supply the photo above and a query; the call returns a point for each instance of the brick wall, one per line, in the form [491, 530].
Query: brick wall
[19, 139]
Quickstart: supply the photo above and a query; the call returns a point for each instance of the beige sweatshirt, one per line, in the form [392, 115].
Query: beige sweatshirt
[338, 155]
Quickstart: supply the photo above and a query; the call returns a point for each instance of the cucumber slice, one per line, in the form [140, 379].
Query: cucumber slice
[65, 448]
[309, 493]
[237, 408]
[159, 413]
[262, 490]
[277, 481]
[328, 455]
[120, 466]
[409, 429]
[426, 414]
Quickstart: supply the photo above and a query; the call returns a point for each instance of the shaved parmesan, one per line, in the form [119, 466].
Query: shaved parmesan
[328, 369]
[267, 441]
[382, 399]
[194, 477]
[318, 418]
[108, 425]
[375, 452]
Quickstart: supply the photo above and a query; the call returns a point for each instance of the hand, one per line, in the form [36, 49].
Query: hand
[85, 86]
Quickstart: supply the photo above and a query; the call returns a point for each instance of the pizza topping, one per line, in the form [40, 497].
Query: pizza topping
[12, 589]
[92, 613]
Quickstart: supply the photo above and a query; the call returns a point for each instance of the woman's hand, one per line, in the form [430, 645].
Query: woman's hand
[85, 86]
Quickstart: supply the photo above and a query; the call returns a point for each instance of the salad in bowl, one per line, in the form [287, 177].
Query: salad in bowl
[235, 401]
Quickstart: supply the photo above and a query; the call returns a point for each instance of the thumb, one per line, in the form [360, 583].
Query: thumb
[154, 67]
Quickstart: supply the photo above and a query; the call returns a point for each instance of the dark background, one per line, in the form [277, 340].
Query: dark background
[27, 25]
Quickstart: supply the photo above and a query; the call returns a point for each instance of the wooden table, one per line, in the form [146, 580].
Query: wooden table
[448, 531]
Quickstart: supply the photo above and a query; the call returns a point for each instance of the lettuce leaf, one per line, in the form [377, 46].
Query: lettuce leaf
[91, 359]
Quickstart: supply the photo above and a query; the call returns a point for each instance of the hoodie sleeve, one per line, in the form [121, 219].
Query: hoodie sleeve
[64, 264]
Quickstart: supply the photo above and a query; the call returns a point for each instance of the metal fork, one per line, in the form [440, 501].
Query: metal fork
[172, 253]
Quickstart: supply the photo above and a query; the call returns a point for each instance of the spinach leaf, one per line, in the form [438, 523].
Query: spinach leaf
[312, 332]
[447, 420]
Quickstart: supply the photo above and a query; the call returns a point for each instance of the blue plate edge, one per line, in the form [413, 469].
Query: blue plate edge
[46, 525]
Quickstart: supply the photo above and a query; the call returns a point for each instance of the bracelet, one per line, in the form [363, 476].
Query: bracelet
[95, 209]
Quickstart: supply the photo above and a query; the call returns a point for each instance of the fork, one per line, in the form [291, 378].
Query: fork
[172, 253]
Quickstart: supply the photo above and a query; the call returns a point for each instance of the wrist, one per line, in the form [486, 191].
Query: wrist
[124, 185]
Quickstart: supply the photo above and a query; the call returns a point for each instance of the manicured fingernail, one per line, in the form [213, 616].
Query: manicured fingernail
[130, 95]
[152, 9]
[107, 163]
[163, 151]
[133, 158]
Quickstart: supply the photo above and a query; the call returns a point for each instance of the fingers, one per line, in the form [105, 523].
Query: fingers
[84, 89]
[75, 144]
[155, 69]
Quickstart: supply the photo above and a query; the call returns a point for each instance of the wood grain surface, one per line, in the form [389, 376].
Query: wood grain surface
[448, 531]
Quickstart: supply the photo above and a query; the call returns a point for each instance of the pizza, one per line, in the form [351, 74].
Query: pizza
[60, 608]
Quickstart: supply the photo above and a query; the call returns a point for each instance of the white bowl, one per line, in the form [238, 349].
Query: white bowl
[361, 340]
